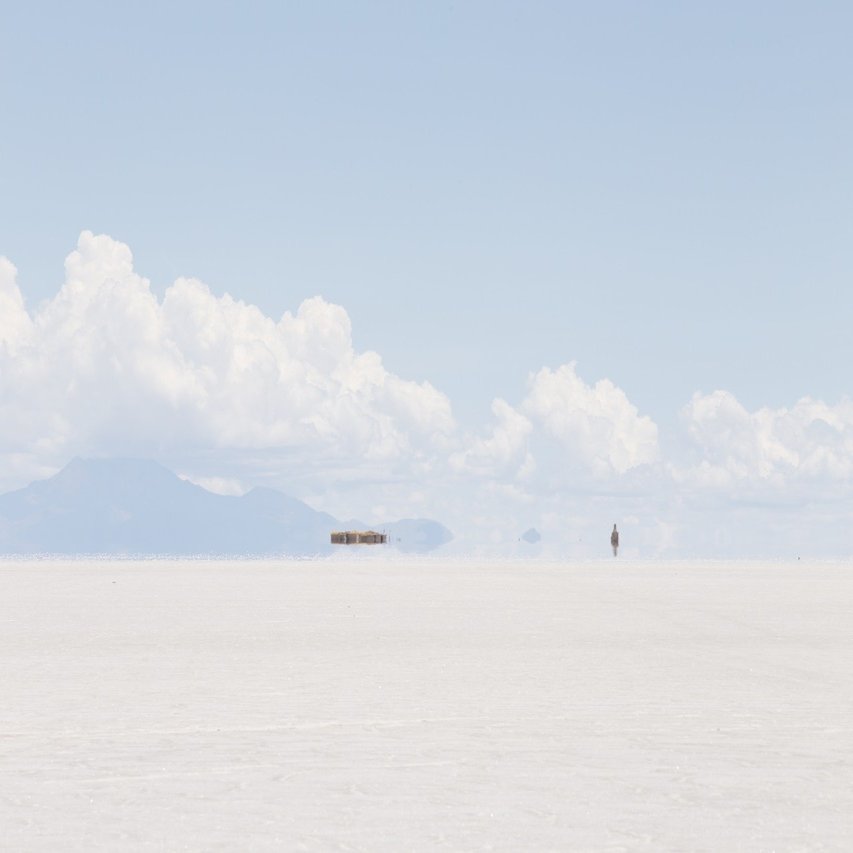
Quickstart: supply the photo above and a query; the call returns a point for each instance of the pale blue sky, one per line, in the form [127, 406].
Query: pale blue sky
[660, 191]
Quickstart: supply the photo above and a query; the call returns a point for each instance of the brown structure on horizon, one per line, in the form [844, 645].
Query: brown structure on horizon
[358, 537]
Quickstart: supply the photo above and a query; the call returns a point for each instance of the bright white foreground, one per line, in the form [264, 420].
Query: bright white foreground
[421, 706]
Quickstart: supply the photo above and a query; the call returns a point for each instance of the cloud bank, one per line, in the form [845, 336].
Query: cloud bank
[810, 442]
[229, 396]
[106, 367]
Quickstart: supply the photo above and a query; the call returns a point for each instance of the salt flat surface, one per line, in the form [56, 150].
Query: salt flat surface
[426, 706]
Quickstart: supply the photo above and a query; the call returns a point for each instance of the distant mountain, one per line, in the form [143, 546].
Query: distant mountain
[132, 506]
[417, 534]
[531, 536]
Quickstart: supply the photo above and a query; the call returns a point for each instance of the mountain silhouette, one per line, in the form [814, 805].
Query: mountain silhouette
[138, 507]
[417, 534]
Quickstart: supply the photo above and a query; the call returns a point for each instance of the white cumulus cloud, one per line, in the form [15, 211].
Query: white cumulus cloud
[105, 367]
[503, 452]
[597, 425]
[563, 429]
[811, 440]
[15, 324]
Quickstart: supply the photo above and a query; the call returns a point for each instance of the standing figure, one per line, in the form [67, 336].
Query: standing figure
[614, 540]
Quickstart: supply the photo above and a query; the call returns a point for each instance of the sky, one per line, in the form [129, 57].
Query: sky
[506, 264]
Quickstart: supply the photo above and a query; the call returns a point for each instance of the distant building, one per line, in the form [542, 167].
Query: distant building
[358, 537]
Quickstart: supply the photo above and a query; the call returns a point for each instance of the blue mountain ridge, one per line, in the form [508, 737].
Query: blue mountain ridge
[139, 507]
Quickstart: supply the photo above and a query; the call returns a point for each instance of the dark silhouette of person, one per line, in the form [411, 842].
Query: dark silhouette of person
[614, 540]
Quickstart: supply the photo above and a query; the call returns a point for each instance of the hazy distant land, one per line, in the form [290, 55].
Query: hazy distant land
[137, 507]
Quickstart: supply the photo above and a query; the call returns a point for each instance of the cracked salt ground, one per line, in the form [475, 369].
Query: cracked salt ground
[426, 706]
